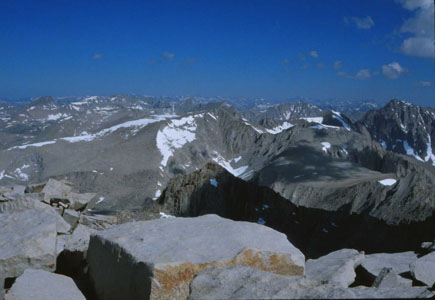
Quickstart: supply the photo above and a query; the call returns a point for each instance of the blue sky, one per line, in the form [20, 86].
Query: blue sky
[345, 49]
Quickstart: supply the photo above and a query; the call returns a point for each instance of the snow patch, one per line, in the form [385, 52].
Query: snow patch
[175, 135]
[429, 154]
[20, 174]
[237, 159]
[410, 151]
[314, 120]
[213, 182]
[387, 182]
[227, 165]
[261, 221]
[280, 128]
[101, 199]
[166, 216]
[326, 146]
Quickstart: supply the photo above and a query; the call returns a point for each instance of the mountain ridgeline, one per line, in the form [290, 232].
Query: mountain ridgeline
[317, 175]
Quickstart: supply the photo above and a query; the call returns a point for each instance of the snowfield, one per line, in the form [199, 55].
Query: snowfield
[175, 135]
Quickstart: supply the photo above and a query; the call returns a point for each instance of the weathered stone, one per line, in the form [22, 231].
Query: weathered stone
[96, 222]
[388, 278]
[20, 204]
[399, 262]
[423, 269]
[72, 217]
[55, 189]
[35, 188]
[79, 201]
[242, 282]
[336, 268]
[18, 189]
[2, 281]
[157, 259]
[79, 240]
[61, 241]
[391, 293]
[27, 240]
[428, 247]
[43, 285]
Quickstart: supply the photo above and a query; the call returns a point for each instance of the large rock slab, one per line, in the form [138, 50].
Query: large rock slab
[157, 259]
[336, 268]
[28, 240]
[21, 203]
[399, 262]
[423, 269]
[55, 189]
[43, 285]
[391, 293]
[79, 240]
[242, 282]
[388, 278]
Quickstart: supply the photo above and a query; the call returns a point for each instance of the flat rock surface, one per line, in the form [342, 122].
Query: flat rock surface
[27, 240]
[242, 282]
[391, 293]
[171, 251]
[388, 278]
[336, 268]
[43, 285]
[399, 262]
[423, 269]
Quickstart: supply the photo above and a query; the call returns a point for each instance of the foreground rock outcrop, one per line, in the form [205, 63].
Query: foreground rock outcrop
[43, 285]
[157, 259]
[242, 282]
[28, 240]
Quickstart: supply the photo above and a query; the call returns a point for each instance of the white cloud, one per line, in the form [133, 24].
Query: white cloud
[393, 70]
[338, 64]
[361, 23]
[420, 27]
[166, 55]
[363, 74]
[423, 83]
[314, 53]
[320, 65]
[97, 56]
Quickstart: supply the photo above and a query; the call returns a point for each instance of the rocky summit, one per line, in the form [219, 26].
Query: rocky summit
[130, 197]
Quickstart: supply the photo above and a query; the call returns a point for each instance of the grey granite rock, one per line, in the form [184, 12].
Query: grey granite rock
[336, 268]
[242, 282]
[391, 293]
[71, 216]
[2, 281]
[55, 189]
[43, 285]
[399, 262]
[157, 259]
[79, 240]
[423, 269]
[388, 278]
[28, 240]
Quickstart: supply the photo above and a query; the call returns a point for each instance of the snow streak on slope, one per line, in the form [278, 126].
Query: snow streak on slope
[280, 128]
[175, 135]
[410, 151]
[429, 154]
[136, 125]
[220, 160]
[337, 116]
